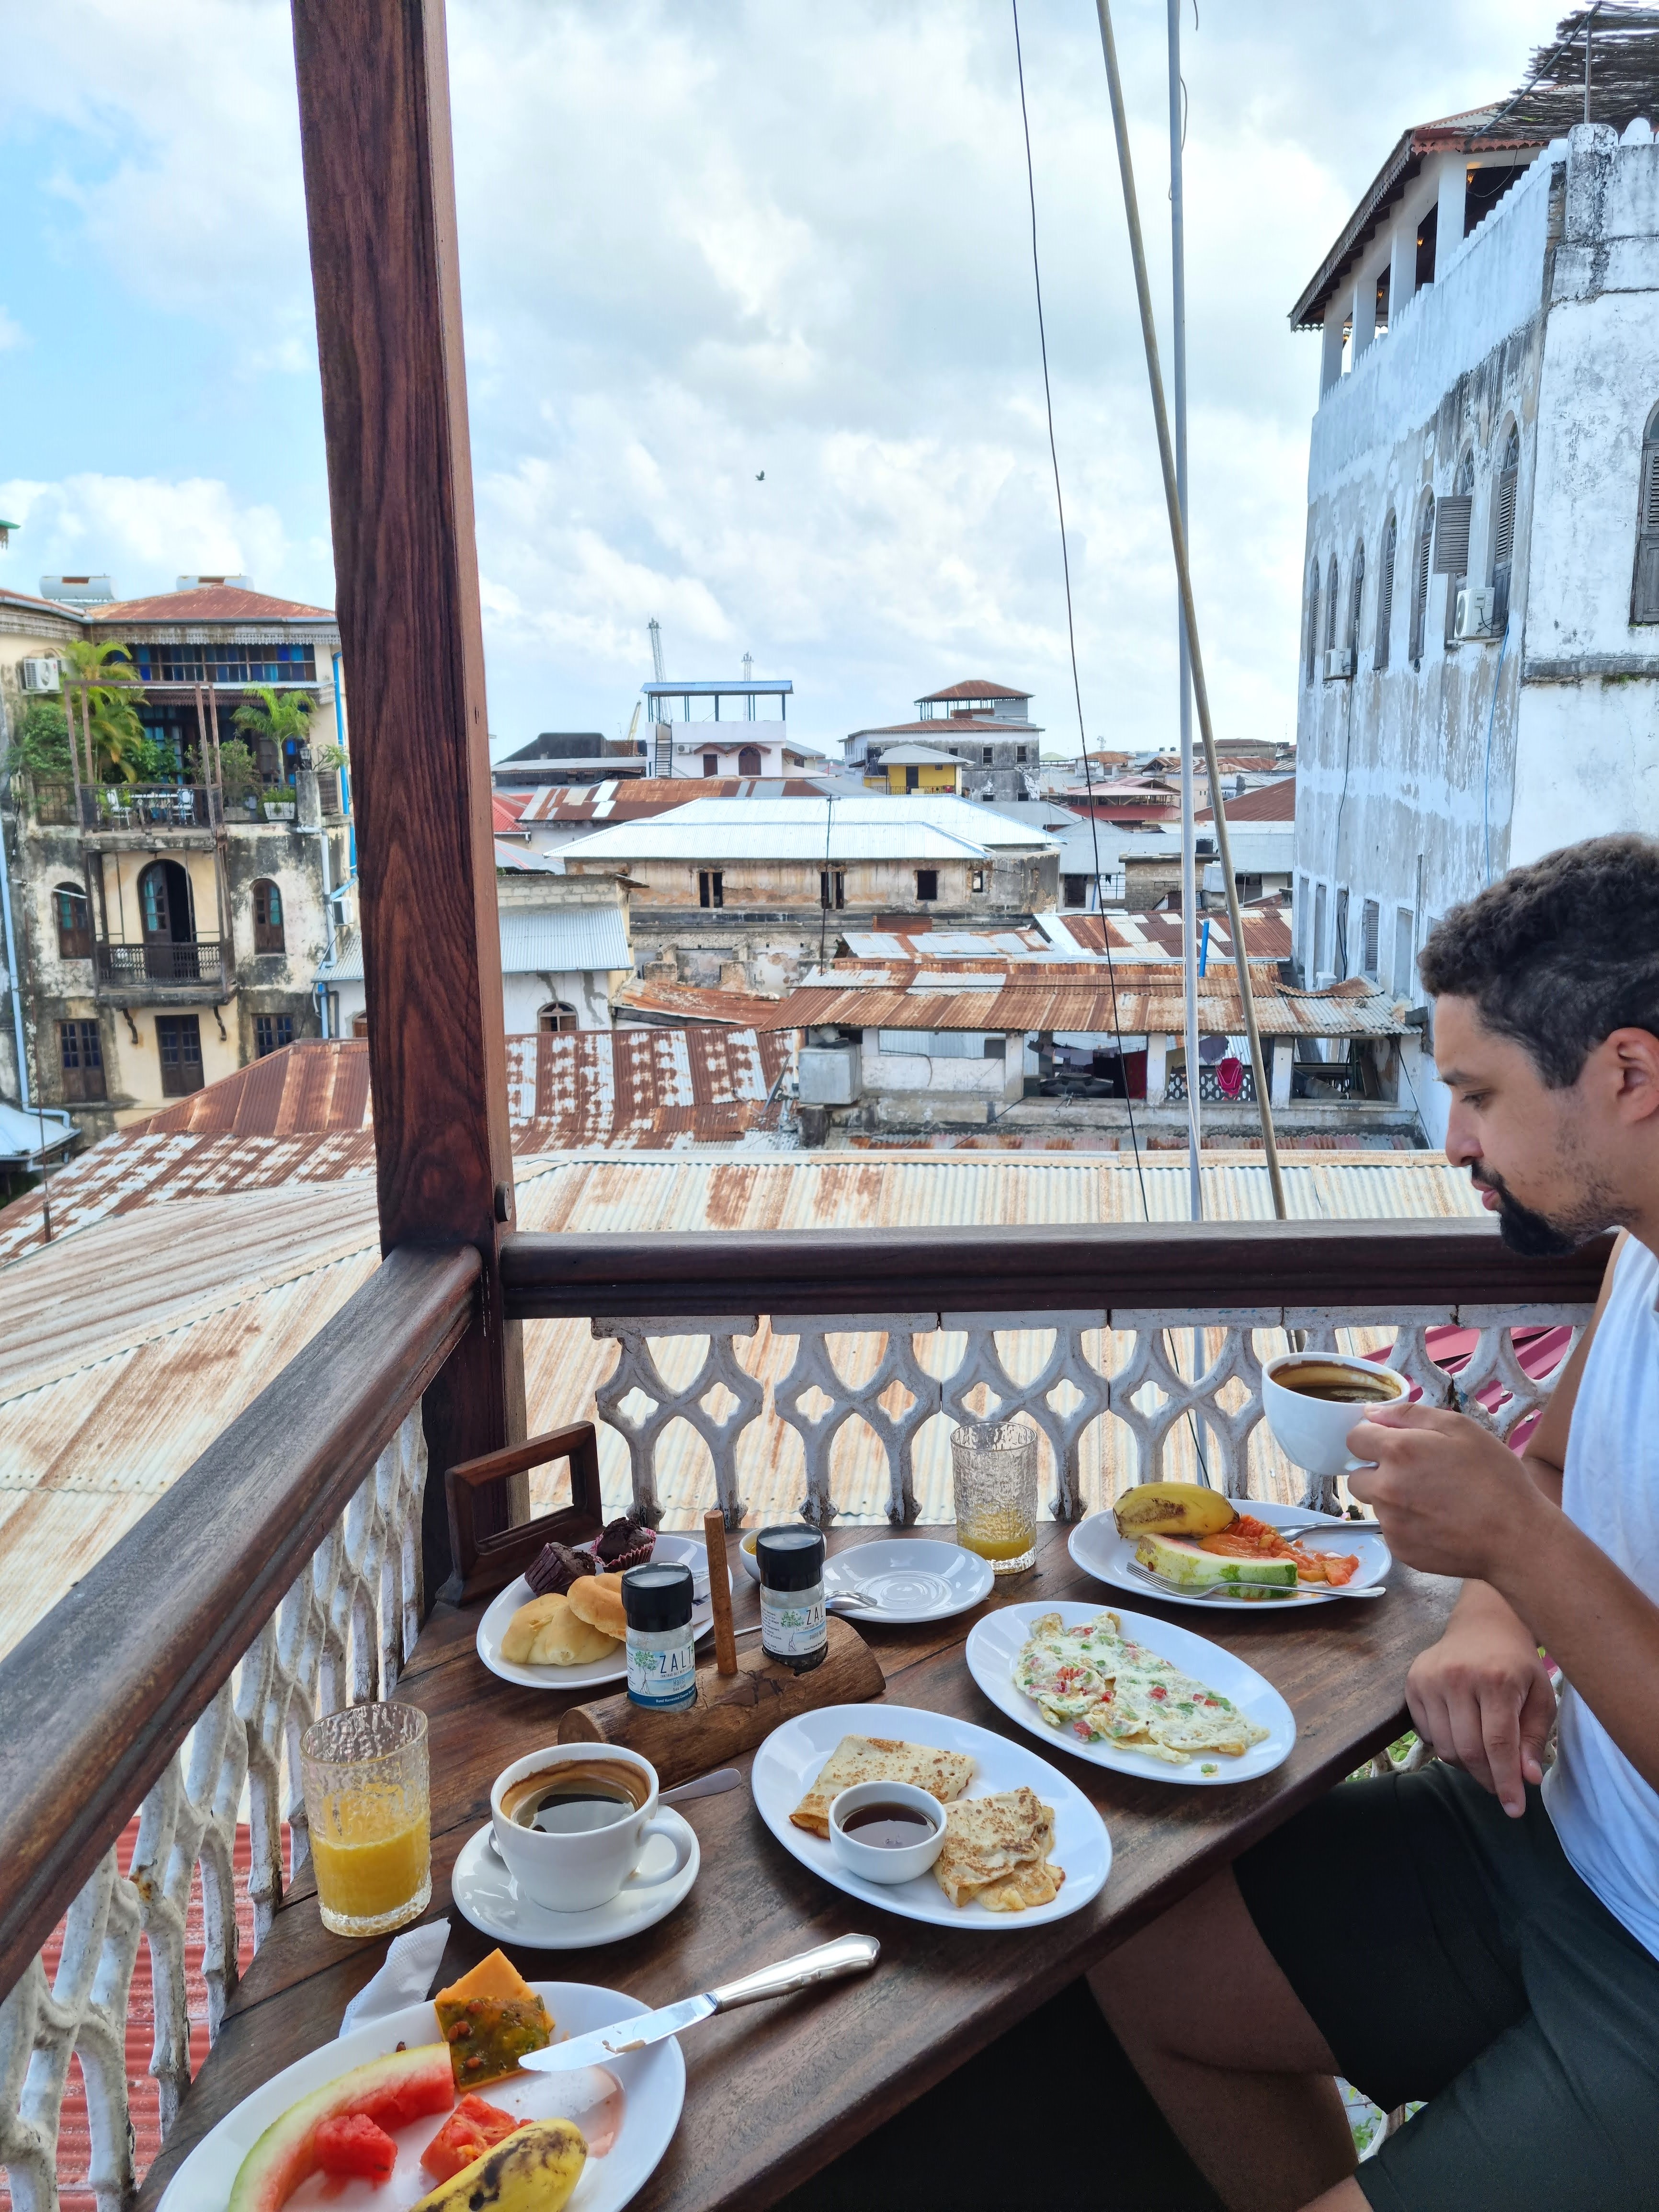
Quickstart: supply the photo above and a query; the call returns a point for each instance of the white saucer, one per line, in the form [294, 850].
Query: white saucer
[487, 1894]
[914, 1578]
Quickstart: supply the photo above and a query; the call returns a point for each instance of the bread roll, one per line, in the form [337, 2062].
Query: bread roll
[568, 1642]
[596, 1599]
[527, 1625]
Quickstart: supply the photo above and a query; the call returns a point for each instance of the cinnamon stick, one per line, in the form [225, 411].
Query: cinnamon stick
[720, 1591]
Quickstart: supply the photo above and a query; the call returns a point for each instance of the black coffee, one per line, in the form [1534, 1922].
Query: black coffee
[1339, 1386]
[890, 1827]
[572, 1800]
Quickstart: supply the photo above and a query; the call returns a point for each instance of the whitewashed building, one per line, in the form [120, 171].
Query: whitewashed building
[1479, 653]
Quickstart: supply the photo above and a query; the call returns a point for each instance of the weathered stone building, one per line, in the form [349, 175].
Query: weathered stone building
[986, 726]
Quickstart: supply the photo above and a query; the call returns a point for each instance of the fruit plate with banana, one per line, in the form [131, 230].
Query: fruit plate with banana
[381, 2116]
[1191, 1546]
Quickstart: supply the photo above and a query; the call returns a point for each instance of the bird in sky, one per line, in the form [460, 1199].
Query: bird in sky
[761, 476]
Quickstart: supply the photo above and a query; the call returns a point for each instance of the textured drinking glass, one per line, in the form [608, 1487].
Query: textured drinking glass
[994, 1470]
[370, 1812]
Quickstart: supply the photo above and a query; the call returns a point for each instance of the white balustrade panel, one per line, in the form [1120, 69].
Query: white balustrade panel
[340, 1637]
[1120, 1397]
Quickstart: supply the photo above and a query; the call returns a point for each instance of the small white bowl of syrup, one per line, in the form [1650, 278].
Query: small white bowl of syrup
[887, 1831]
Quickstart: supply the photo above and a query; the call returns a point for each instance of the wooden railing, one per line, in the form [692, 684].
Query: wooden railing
[279, 1577]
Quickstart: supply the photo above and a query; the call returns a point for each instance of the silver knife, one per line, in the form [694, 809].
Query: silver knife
[851, 1954]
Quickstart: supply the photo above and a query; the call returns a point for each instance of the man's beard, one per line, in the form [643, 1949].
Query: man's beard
[1537, 1235]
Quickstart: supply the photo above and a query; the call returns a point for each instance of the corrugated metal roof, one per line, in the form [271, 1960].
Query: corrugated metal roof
[564, 938]
[143, 1336]
[614, 802]
[1267, 802]
[1147, 999]
[861, 826]
[209, 603]
[689, 1003]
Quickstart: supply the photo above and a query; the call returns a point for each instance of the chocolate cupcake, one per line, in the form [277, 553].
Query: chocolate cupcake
[627, 1542]
[554, 1567]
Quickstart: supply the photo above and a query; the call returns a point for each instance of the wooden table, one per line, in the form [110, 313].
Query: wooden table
[775, 2091]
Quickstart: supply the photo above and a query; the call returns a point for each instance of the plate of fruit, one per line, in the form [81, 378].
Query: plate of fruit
[561, 1626]
[426, 2111]
[1202, 1548]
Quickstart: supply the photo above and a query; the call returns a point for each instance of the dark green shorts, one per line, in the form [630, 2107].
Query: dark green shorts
[1449, 1953]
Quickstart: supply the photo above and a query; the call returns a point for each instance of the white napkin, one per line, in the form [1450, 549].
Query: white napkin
[412, 1960]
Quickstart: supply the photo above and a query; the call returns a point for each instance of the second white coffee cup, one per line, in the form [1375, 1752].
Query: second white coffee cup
[1313, 1432]
[578, 1869]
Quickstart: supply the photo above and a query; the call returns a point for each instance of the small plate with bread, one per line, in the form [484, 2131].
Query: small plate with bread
[561, 1626]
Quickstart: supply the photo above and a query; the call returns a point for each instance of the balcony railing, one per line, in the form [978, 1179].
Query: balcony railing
[130, 807]
[201, 961]
[280, 1578]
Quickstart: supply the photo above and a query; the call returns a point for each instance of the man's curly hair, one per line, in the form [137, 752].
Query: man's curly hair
[1560, 954]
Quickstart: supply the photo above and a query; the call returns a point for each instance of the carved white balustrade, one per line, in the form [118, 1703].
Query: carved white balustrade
[861, 1405]
[340, 1636]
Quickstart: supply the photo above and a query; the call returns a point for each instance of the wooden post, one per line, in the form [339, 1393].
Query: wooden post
[380, 207]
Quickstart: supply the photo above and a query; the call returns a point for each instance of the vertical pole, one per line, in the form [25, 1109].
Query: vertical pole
[1188, 866]
[379, 185]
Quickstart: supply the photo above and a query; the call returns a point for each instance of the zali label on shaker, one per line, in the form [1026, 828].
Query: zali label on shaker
[790, 1629]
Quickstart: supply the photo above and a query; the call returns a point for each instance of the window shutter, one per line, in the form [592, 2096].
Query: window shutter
[1451, 535]
[1368, 937]
[1420, 584]
[1650, 489]
[1385, 595]
[1504, 537]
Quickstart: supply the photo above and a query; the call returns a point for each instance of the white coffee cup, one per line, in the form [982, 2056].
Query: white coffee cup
[574, 1872]
[1313, 1432]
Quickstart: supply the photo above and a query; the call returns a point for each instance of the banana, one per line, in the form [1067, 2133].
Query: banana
[1172, 1509]
[533, 2171]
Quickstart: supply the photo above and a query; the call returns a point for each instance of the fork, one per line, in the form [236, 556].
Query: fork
[1233, 1593]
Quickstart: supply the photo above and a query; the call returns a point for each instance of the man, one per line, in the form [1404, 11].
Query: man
[1463, 1934]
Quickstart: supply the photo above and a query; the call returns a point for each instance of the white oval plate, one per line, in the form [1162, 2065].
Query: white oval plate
[487, 1894]
[995, 1643]
[654, 2081]
[788, 1762]
[1099, 1550]
[677, 1551]
[915, 1577]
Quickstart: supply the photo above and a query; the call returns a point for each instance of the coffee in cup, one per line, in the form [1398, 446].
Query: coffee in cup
[1312, 1399]
[572, 1824]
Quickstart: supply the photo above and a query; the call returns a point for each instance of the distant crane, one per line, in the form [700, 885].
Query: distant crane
[656, 648]
[664, 762]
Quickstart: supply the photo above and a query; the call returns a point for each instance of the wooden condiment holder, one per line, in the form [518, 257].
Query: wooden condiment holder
[733, 1713]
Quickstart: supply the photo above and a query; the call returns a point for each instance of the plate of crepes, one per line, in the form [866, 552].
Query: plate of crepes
[1022, 1843]
[1125, 1691]
[427, 2107]
[561, 1626]
[1189, 1535]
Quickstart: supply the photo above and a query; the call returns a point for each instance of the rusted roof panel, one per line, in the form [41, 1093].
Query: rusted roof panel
[691, 1003]
[207, 603]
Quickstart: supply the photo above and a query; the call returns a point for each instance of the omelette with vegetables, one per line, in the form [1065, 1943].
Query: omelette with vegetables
[1096, 1683]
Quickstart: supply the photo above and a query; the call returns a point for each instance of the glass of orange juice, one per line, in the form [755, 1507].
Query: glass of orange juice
[993, 1472]
[368, 1808]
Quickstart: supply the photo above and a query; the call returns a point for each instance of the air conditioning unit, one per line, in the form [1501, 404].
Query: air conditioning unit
[1474, 612]
[37, 675]
[1339, 661]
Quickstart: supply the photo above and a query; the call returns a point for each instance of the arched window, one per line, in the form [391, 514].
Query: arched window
[1333, 585]
[267, 917]
[74, 920]
[1503, 528]
[1420, 578]
[1355, 594]
[165, 904]
[749, 760]
[1645, 590]
[1385, 593]
[558, 1014]
[1313, 630]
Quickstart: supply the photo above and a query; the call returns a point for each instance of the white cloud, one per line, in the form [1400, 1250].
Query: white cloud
[142, 532]
[12, 333]
[705, 238]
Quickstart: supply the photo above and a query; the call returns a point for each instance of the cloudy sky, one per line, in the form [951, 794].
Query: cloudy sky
[703, 238]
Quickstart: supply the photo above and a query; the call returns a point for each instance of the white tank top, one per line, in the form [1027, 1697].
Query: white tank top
[1606, 1815]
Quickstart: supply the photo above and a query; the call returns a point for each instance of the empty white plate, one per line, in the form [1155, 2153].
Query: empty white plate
[912, 1578]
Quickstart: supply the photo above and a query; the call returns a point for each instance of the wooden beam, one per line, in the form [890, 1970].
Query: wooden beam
[1177, 1266]
[381, 207]
[99, 1694]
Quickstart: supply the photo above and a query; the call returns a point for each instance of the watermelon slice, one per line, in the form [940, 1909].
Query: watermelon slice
[472, 2129]
[404, 2086]
[350, 2147]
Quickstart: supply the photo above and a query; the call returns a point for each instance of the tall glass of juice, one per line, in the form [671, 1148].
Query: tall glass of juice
[994, 1470]
[368, 1808]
